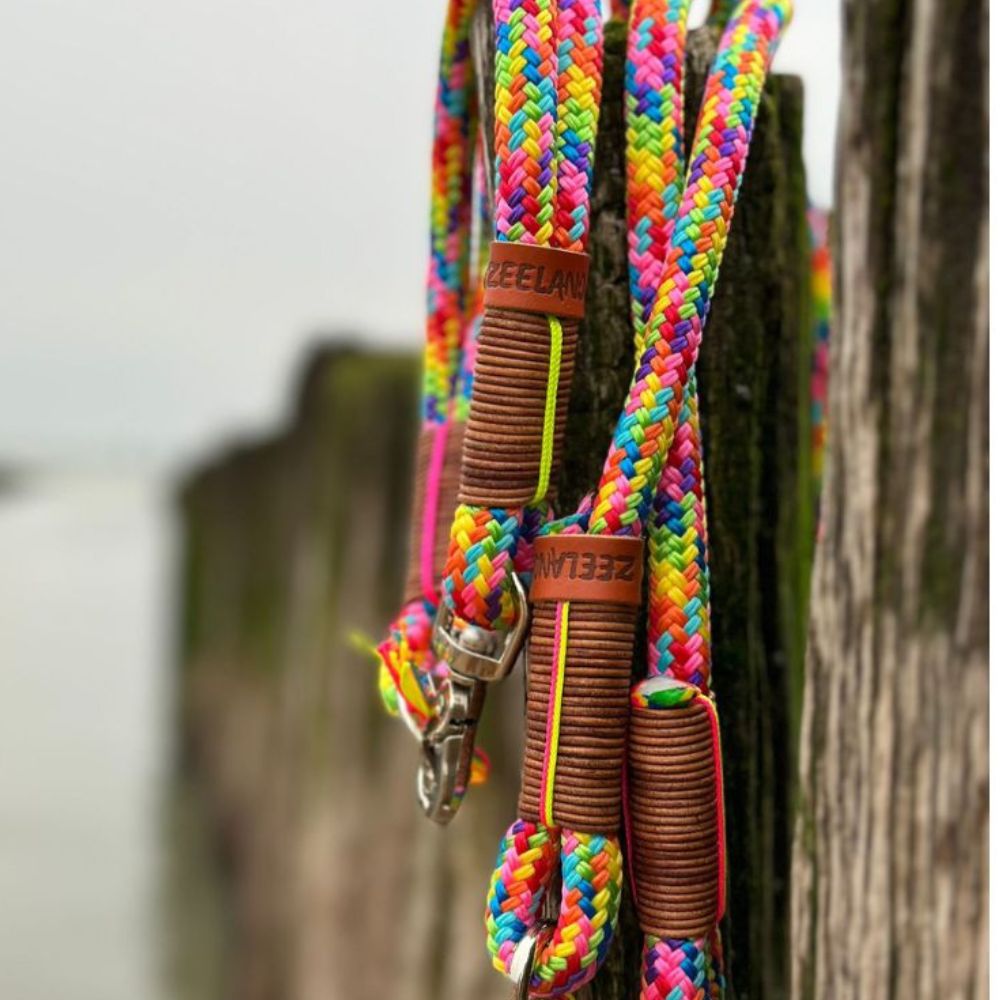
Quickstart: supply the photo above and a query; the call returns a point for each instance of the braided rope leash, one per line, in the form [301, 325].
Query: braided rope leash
[409, 676]
[548, 72]
[580, 650]
[677, 857]
[677, 629]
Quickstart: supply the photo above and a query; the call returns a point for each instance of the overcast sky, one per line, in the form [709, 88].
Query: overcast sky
[190, 190]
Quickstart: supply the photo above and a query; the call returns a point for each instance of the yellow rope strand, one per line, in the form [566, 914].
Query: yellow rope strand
[560, 676]
[551, 394]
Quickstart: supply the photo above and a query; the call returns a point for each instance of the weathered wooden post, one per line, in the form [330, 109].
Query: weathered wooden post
[890, 875]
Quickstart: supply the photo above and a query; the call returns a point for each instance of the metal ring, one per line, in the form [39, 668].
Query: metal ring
[523, 964]
[411, 724]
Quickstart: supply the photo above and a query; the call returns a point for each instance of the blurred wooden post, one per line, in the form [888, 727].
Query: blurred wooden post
[890, 874]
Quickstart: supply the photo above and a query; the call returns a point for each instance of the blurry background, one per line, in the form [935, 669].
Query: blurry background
[190, 194]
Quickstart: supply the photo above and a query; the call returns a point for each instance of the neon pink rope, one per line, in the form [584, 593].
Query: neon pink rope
[428, 576]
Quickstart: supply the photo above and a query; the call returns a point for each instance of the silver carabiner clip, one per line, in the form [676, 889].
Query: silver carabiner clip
[475, 657]
[481, 654]
[522, 965]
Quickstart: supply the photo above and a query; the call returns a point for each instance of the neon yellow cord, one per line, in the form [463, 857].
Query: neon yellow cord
[551, 395]
[556, 718]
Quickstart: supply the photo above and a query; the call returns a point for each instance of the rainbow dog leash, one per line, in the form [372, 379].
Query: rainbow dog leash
[410, 677]
[583, 626]
[675, 818]
[548, 80]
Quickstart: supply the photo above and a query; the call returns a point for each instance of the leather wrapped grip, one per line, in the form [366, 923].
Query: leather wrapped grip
[675, 802]
[590, 749]
[503, 440]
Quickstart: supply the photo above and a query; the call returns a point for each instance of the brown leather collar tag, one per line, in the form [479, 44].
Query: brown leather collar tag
[604, 569]
[537, 279]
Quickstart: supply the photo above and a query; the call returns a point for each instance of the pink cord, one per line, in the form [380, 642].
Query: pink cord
[720, 804]
[428, 538]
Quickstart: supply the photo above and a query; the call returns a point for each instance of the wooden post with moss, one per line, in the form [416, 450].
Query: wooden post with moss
[339, 887]
[891, 862]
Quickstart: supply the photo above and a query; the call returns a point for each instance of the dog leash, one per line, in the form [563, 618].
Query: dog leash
[548, 81]
[675, 818]
[411, 680]
[584, 616]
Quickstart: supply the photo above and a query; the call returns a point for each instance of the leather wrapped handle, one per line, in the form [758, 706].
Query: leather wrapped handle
[590, 749]
[674, 789]
[503, 439]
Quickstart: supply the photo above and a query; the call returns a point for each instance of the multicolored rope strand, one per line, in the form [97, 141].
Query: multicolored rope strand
[591, 870]
[548, 73]
[408, 674]
[448, 274]
[692, 231]
[678, 614]
[645, 429]
[677, 630]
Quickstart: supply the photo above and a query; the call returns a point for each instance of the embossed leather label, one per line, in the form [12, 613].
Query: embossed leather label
[537, 279]
[600, 568]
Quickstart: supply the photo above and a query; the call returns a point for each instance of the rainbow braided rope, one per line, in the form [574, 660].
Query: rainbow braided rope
[675, 968]
[682, 969]
[646, 427]
[570, 953]
[545, 142]
[654, 137]
[408, 675]
[451, 213]
[580, 65]
[678, 616]
[678, 621]
[548, 72]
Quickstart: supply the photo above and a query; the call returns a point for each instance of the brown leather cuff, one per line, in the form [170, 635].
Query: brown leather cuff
[537, 279]
[603, 569]
[590, 750]
[503, 441]
[674, 790]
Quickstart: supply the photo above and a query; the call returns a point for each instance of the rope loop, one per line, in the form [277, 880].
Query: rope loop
[590, 866]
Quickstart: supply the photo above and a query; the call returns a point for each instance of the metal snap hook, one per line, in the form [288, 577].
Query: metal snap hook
[523, 963]
[477, 653]
[446, 752]
[475, 656]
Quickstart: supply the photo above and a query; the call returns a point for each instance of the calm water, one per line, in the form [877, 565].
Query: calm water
[85, 569]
